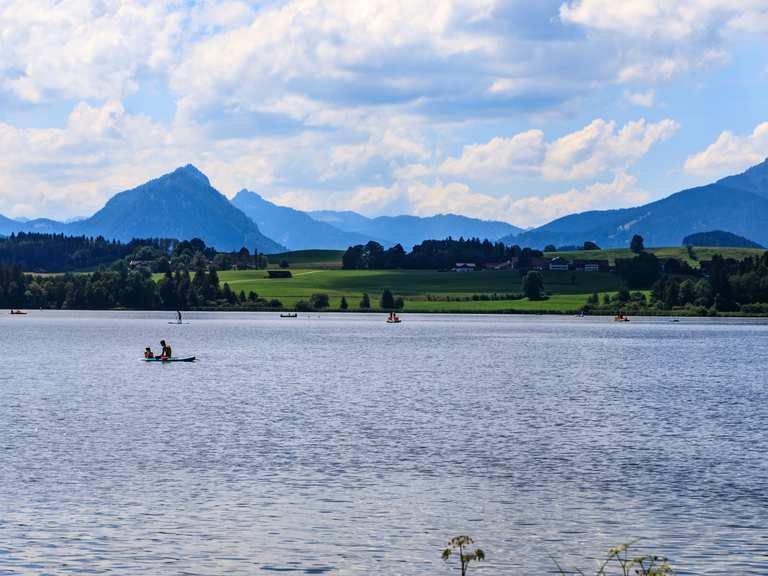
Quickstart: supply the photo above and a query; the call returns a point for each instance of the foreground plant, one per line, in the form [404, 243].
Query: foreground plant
[620, 562]
[460, 545]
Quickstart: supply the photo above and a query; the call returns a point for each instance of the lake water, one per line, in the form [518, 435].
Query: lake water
[341, 445]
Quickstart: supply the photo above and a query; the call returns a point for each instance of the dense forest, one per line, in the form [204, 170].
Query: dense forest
[121, 287]
[432, 254]
[59, 253]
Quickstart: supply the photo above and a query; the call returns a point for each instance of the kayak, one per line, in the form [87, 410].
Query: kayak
[172, 359]
[178, 322]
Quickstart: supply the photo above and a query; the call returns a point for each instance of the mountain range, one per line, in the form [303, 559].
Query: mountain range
[183, 205]
[294, 228]
[412, 230]
[737, 204]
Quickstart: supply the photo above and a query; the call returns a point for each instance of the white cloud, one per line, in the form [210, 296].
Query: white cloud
[381, 145]
[82, 49]
[520, 155]
[620, 192]
[527, 211]
[598, 147]
[586, 153]
[658, 40]
[730, 153]
[677, 20]
[644, 99]
[306, 42]
[73, 170]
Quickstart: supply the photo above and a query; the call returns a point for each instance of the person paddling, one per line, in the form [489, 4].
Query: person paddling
[178, 315]
[166, 353]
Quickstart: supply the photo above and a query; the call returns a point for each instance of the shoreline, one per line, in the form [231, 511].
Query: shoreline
[405, 311]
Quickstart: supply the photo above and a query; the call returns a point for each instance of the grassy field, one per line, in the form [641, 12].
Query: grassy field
[679, 253]
[318, 259]
[569, 291]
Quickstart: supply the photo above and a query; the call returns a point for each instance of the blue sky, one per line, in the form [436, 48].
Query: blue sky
[506, 109]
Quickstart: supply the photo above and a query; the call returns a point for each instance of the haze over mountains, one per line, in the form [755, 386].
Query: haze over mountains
[412, 230]
[294, 228]
[183, 205]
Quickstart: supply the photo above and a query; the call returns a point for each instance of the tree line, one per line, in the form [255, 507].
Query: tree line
[36, 252]
[432, 254]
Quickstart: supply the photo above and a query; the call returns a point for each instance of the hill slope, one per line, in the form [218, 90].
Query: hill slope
[293, 228]
[411, 230]
[182, 205]
[738, 204]
[719, 238]
[8, 226]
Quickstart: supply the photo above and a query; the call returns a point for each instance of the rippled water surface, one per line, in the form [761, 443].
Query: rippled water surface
[343, 445]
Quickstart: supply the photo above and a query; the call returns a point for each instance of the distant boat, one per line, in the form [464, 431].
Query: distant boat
[620, 318]
[18, 313]
[289, 315]
[393, 318]
[172, 359]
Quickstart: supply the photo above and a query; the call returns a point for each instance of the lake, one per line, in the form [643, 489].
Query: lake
[341, 445]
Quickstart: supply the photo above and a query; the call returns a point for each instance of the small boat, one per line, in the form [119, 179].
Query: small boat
[172, 359]
[393, 318]
[18, 313]
[289, 315]
[620, 318]
[178, 322]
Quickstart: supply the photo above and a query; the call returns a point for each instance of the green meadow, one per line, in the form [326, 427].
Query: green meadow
[425, 290]
[319, 271]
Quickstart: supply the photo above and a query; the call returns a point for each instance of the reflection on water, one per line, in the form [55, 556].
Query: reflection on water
[344, 445]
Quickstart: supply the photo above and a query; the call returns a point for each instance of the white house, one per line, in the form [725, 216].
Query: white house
[464, 267]
[559, 264]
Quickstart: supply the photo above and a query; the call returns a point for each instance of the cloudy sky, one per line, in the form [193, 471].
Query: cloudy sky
[515, 110]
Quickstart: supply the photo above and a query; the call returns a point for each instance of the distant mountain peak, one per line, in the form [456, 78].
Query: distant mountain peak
[292, 227]
[245, 192]
[192, 172]
[183, 205]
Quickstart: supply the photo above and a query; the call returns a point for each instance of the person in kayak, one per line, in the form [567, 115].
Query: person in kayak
[166, 353]
[148, 354]
[178, 315]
